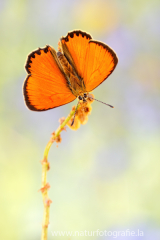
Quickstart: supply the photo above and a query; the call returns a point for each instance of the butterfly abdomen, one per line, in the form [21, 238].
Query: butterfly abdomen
[65, 64]
[74, 83]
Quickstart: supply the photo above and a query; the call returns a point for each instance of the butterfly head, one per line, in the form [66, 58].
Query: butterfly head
[83, 97]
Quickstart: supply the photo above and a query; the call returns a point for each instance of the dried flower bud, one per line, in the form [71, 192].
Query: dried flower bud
[88, 109]
[90, 100]
[48, 202]
[81, 115]
[61, 120]
[75, 125]
[85, 120]
[58, 139]
[46, 187]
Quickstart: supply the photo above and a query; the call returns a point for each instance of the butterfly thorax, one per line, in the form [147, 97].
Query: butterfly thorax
[75, 83]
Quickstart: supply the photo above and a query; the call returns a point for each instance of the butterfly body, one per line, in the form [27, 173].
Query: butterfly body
[57, 78]
[76, 84]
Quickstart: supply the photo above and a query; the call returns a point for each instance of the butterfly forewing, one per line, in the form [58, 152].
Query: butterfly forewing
[46, 86]
[100, 62]
[74, 47]
[93, 61]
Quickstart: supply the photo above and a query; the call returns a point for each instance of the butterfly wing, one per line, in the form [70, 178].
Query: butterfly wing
[74, 47]
[46, 85]
[100, 61]
[93, 61]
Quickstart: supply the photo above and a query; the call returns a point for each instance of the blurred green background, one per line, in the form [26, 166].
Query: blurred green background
[106, 175]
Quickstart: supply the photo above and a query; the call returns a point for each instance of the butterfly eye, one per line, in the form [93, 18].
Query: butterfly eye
[85, 95]
[79, 97]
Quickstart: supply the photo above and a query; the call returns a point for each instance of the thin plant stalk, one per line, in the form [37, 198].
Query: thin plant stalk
[45, 168]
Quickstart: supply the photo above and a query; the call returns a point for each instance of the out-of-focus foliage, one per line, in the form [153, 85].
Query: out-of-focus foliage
[105, 175]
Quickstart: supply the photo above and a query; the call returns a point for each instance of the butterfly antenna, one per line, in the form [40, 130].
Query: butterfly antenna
[74, 114]
[102, 102]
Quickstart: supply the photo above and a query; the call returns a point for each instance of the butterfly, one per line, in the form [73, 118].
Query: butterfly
[57, 78]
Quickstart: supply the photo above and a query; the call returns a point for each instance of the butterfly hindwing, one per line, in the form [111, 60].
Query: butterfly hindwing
[46, 85]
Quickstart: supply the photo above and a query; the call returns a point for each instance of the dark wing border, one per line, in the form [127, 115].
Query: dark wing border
[77, 32]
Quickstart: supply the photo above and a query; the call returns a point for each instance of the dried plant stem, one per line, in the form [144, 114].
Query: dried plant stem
[45, 168]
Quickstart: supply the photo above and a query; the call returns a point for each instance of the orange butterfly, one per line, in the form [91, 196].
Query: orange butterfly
[57, 78]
